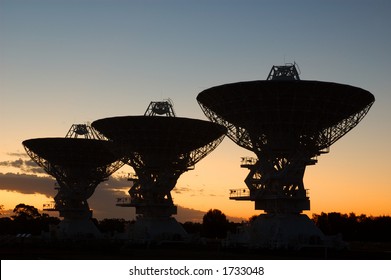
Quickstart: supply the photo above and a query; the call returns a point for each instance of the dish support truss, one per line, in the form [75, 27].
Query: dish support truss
[74, 185]
[275, 180]
[276, 185]
[156, 176]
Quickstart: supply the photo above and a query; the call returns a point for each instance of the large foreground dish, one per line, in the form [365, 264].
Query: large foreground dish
[287, 123]
[286, 114]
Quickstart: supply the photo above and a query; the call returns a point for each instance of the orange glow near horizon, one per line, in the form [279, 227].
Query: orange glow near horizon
[9, 199]
[333, 187]
[340, 182]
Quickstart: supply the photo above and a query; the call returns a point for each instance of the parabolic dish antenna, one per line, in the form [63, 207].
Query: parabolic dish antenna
[160, 149]
[79, 165]
[287, 123]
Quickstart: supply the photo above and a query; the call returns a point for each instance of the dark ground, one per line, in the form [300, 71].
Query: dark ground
[30, 249]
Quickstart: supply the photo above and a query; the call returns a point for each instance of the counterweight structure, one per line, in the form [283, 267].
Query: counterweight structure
[287, 123]
[79, 162]
[159, 147]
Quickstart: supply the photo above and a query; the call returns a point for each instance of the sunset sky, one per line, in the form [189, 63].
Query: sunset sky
[66, 61]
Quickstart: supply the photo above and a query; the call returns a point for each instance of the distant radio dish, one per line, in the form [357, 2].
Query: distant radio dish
[159, 148]
[79, 165]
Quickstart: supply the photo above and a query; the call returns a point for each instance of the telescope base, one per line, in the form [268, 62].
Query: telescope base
[280, 231]
[76, 229]
[157, 229]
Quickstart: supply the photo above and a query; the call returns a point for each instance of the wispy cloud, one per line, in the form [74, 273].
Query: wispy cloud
[31, 183]
[14, 163]
[18, 154]
[26, 166]
[193, 191]
[179, 190]
[102, 202]
[27, 184]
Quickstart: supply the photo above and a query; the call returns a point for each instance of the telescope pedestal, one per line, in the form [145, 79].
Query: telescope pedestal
[285, 231]
[77, 225]
[275, 184]
[150, 195]
[158, 229]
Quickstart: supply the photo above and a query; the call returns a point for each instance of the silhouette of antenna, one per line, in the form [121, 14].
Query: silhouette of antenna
[79, 162]
[287, 122]
[159, 147]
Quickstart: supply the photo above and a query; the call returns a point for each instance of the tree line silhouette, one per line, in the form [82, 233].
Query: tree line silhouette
[26, 219]
[355, 228]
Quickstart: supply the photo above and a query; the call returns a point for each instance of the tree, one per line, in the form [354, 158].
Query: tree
[353, 227]
[253, 218]
[215, 224]
[25, 212]
[27, 219]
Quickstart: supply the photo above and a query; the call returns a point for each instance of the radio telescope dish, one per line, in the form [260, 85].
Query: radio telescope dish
[79, 165]
[287, 123]
[159, 149]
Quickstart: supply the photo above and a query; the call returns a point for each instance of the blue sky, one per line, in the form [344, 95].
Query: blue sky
[65, 62]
